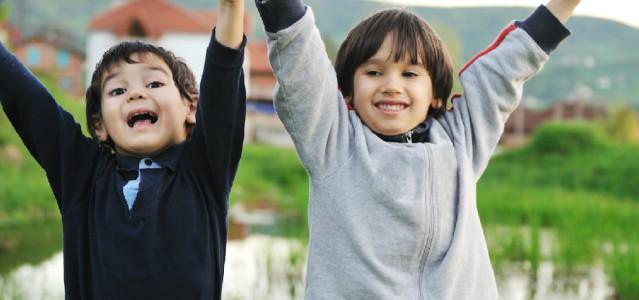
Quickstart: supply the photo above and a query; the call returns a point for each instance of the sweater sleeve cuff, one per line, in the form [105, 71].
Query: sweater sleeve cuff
[279, 14]
[544, 28]
[224, 55]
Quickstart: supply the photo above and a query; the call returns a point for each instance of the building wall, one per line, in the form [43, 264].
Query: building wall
[65, 66]
[190, 47]
[97, 44]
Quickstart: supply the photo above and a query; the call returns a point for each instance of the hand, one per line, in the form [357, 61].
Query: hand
[230, 23]
[562, 9]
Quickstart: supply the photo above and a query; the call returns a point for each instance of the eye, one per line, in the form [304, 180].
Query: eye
[410, 74]
[117, 92]
[155, 84]
[373, 73]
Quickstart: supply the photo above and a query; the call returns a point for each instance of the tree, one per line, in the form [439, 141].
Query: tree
[623, 125]
[4, 10]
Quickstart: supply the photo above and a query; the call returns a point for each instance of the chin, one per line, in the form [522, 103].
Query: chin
[390, 131]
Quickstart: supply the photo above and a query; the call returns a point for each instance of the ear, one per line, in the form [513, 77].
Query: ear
[100, 130]
[191, 107]
[437, 103]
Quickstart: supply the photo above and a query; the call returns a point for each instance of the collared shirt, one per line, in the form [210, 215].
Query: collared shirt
[131, 188]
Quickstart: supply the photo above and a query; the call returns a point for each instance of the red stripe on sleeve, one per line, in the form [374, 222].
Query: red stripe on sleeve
[492, 47]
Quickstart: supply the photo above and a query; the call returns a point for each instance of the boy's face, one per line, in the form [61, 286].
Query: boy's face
[391, 97]
[142, 109]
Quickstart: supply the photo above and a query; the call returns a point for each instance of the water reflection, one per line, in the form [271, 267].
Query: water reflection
[267, 267]
[43, 281]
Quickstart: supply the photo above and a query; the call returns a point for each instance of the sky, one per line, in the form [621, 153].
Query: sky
[626, 11]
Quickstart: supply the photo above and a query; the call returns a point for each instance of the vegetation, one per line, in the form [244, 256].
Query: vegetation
[576, 188]
[25, 195]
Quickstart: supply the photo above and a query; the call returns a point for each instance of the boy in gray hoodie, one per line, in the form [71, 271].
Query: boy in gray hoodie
[393, 169]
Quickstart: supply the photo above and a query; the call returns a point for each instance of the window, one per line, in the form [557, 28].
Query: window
[33, 56]
[65, 83]
[62, 59]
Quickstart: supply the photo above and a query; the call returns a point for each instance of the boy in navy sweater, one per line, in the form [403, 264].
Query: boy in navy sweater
[144, 203]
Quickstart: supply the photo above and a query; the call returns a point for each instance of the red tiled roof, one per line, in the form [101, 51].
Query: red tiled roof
[13, 32]
[156, 18]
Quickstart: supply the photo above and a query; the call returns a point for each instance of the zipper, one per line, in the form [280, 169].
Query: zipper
[430, 230]
[409, 136]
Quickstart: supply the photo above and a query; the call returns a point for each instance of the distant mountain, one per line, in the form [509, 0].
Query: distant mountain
[599, 58]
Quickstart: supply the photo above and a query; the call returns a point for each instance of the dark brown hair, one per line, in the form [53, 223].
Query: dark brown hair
[121, 53]
[412, 38]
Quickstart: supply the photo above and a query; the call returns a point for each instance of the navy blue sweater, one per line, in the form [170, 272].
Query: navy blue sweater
[172, 244]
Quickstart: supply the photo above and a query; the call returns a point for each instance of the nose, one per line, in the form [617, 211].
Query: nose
[136, 95]
[392, 85]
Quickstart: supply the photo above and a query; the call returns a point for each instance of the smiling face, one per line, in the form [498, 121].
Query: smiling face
[142, 110]
[392, 97]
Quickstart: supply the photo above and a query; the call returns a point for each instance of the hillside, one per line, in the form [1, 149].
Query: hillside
[601, 53]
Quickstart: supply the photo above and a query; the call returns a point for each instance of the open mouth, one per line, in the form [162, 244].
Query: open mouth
[142, 118]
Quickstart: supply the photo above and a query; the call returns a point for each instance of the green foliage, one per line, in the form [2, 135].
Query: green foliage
[270, 176]
[25, 194]
[623, 266]
[4, 10]
[568, 138]
[597, 167]
[622, 125]
[30, 244]
[584, 196]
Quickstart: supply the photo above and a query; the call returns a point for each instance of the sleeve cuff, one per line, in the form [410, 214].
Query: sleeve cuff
[280, 14]
[224, 55]
[544, 28]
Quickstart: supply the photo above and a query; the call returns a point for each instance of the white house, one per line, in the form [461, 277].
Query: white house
[183, 31]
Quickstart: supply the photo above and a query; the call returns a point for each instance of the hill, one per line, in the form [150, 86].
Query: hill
[600, 55]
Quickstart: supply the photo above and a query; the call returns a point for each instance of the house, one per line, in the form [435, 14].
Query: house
[9, 34]
[522, 122]
[262, 124]
[52, 53]
[185, 32]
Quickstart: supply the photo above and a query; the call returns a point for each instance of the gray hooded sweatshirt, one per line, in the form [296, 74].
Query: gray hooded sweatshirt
[399, 220]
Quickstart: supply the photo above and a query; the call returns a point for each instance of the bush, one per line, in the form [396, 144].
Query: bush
[568, 138]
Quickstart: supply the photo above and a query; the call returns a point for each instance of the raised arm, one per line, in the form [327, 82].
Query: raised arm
[50, 134]
[493, 81]
[229, 29]
[216, 142]
[307, 98]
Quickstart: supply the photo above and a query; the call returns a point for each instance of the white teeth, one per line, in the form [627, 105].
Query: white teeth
[391, 107]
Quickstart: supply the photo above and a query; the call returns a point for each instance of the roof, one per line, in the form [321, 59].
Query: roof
[13, 33]
[155, 17]
[55, 37]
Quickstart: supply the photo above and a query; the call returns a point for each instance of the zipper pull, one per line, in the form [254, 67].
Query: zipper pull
[409, 137]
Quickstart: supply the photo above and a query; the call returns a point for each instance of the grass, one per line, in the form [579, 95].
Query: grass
[576, 185]
[25, 195]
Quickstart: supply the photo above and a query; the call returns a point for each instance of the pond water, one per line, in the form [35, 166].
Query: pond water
[268, 267]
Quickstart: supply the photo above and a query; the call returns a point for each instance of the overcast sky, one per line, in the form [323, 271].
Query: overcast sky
[626, 11]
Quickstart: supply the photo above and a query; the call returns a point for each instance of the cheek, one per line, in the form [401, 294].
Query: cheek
[109, 112]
